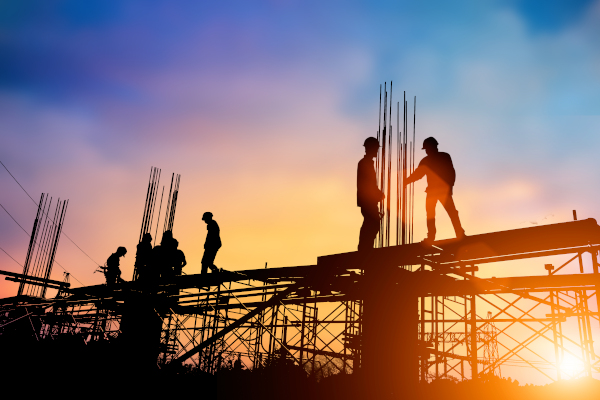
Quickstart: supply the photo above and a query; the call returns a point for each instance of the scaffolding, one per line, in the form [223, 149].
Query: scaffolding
[466, 327]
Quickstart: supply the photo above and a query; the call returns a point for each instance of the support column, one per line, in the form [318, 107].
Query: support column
[390, 333]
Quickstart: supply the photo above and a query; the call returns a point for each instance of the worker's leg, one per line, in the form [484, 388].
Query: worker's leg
[118, 278]
[212, 265]
[111, 279]
[448, 203]
[208, 260]
[369, 228]
[430, 202]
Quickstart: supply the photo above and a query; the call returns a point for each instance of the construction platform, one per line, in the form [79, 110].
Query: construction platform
[388, 309]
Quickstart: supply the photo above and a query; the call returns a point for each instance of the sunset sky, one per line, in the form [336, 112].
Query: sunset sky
[262, 107]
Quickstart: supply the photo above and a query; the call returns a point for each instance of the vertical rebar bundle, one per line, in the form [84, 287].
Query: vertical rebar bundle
[171, 203]
[32, 241]
[150, 206]
[148, 216]
[404, 159]
[150, 202]
[40, 254]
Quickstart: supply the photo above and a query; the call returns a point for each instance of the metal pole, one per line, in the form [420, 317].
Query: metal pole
[474, 370]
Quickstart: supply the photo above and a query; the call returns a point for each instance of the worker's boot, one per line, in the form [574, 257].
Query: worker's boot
[458, 229]
[431, 231]
[428, 241]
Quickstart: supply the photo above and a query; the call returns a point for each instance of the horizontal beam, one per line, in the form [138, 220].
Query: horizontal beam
[36, 283]
[33, 278]
[442, 286]
[320, 352]
[558, 318]
[495, 246]
[439, 353]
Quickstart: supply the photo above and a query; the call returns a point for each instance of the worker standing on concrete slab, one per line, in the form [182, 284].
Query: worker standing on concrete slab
[368, 195]
[164, 254]
[143, 257]
[112, 272]
[212, 243]
[178, 259]
[438, 168]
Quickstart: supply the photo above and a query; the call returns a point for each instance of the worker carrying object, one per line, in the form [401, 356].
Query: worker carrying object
[111, 270]
[438, 168]
[368, 195]
[212, 243]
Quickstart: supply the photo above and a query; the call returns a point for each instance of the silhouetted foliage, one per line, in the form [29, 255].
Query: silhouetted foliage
[70, 365]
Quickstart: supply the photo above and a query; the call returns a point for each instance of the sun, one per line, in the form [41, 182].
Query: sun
[571, 367]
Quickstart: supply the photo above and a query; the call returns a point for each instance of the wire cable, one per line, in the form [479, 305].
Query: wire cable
[34, 202]
[11, 257]
[14, 219]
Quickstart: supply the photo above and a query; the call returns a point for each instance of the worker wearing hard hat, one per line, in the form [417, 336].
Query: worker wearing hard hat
[212, 243]
[368, 195]
[111, 269]
[438, 168]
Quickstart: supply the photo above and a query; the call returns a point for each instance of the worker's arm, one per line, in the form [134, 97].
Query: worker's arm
[418, 174]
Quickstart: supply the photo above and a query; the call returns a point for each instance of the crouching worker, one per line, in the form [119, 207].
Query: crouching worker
[111, 270]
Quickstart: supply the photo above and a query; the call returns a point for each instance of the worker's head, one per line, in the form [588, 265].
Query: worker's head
[121, 251]
[175, 243]
[371, 147]
[430, 145]
[168, 235]
[147, 237]
[207, 216]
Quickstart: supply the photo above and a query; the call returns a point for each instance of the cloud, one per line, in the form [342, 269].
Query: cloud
[264, 115]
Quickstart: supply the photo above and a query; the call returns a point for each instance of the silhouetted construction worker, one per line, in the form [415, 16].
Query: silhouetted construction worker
[162, 255]
[212, 243]
[368, 195]
[438, 168]
[112, 272]
[178, 259]
[143, 257]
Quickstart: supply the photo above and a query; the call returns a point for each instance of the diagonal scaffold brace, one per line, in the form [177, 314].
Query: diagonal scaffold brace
[276, 298]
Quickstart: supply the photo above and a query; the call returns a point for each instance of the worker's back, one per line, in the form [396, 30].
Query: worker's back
[439, 171]
[213, 236]
[112, 264]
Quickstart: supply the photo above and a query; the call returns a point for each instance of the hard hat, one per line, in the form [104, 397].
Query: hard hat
[122, 250]
[206, 215]
[371, 141]
[429, 142]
